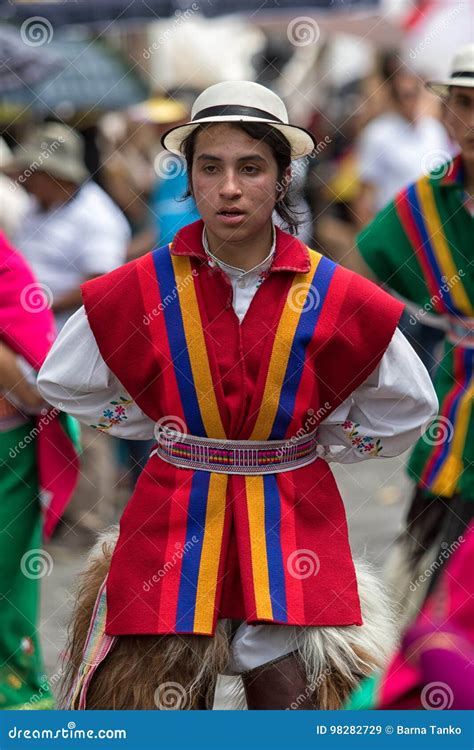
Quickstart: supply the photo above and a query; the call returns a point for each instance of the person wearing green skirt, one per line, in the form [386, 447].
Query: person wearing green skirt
[38, 472]
[23, 683]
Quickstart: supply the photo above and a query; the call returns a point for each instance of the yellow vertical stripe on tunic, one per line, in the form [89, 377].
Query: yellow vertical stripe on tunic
[281, 349]
[451, 470]
[258, 546]
[196, 344]
[441, 247]
[210, 554]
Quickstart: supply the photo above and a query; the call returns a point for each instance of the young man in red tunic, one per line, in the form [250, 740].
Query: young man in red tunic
[254, 361]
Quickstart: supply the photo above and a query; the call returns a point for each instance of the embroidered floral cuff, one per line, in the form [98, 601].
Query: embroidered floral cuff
[364, 444]
[113, 416]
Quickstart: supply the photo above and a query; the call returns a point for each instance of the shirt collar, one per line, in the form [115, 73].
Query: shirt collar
[213, 260]
[290, 253]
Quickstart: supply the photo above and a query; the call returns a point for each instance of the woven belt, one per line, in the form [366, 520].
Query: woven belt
[235, 456]
[461, 332]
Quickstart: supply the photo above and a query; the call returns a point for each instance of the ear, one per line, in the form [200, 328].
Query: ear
[283, 185]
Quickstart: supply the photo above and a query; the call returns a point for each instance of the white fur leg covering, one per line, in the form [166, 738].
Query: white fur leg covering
[343, 654]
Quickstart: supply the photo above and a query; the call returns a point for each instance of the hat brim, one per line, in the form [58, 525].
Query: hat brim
[441, 88]
[62, 170]
[301, 141]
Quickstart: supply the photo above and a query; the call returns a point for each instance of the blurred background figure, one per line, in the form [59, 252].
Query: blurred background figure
[403, 142]
[70, 232]
[38, 472]
[168, 208]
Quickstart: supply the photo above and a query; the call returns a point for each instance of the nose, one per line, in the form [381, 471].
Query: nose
[230, 185]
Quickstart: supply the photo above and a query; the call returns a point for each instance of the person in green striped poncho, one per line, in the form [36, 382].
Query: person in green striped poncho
[421, 245]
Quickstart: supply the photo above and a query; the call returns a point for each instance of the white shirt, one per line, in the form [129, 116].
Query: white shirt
[87, 236]
[393, 152]
[391, 406]
[244, 283]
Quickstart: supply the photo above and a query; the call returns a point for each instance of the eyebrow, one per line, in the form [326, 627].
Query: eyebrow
[248, 157]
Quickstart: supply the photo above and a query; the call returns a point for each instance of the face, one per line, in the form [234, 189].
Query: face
[234, 183]
[459, 118]
[407, 90]
[48, 190]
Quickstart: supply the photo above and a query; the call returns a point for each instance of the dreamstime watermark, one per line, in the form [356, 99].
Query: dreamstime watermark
[170, 297]
[436, 564]
[47, 416]
[440, 431]
[310, 689]
[36, 563]
[445, 287]
[298, 166]
[313, 419]
[36, 31]
[433, 160]
[303, 297]
[47, 149]
[302, 31]
[178, 554]
[45, 690]
[170, 429]
[171, 696]
[303, 563]
[437, 696]
[168, 166]
[36, 297]
[180, 18]
[438, 29]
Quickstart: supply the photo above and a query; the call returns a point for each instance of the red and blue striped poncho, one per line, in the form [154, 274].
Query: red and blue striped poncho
[195, 545]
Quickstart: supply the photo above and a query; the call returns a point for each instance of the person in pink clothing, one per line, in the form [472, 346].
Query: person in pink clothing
[38, 472]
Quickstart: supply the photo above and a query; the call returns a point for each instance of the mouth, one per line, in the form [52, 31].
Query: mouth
[231, 215]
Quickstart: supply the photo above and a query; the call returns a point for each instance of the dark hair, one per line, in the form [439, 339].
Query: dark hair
[281, 149]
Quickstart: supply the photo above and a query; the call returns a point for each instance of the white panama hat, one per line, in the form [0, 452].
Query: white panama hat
[462, 72]
[241, 101]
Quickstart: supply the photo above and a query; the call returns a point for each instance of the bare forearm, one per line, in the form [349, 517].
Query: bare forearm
[13, 381]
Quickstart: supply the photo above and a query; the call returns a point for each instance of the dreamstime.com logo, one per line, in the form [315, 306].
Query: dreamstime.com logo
[437, 696]
[171, 696]
[168, 166]
[178, 554]
[46, 418]
[47, 149]
[71, 732]
[303, 563]
[435, 158]
[36, 297]
[179, 18]
[36, 31]
[303, 297]
[36, 563]
[445, 554]
[440, 431]
[302, 31]
[170, 298]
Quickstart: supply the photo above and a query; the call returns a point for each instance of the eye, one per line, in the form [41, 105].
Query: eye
[210, 168]
[250, 169]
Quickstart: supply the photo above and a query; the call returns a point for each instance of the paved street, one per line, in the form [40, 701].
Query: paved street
[375, 495]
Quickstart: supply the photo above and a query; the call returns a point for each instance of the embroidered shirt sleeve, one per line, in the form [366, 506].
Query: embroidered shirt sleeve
[363, 443]
[115, 413]
[385, 415]
[76, 379]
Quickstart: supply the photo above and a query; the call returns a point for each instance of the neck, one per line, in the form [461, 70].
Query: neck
[244, 254]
